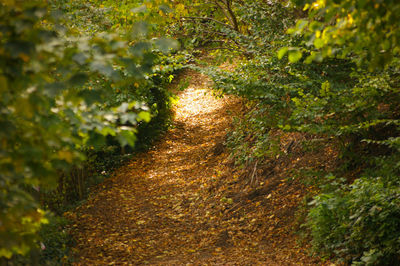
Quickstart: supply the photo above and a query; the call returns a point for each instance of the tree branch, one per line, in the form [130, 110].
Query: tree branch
[228, 13]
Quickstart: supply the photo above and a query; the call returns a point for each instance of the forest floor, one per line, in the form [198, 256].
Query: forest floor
[184, 203]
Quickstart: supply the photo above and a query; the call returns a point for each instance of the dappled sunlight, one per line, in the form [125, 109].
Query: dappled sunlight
[153, 202]
[197, 101]
[169, 206]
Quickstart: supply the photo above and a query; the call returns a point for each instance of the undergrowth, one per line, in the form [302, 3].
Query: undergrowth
[350, 100]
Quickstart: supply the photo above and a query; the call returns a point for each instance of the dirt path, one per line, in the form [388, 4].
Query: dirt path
[169, 206]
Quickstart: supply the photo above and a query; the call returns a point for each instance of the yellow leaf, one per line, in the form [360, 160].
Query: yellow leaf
[180, 8]
[65, 155]
[5, 253]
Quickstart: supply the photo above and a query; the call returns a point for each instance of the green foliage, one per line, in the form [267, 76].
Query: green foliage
[359, 223]
[134, 17]
[250, 140]
[59, 88]
[55, 242]
[75, 184]
[352, 28]
[339, 80]
[78, 78]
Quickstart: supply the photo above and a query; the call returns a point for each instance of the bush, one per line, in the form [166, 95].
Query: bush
[337, 82]
[56, 242]
[359, 223]
[60, 90]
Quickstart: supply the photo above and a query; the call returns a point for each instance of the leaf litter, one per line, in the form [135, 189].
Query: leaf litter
[184, 203]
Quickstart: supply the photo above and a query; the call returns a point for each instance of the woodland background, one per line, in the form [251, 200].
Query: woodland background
[85, 83]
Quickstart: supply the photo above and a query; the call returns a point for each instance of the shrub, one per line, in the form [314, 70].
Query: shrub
[358, 223]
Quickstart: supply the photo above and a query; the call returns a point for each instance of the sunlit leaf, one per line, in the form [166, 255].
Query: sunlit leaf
[294, 56]
[282, 52]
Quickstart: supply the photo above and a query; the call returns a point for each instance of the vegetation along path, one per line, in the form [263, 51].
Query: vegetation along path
[175, 204]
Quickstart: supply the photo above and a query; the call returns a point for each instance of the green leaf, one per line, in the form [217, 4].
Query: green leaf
[139, 9]
[145, 116]
[139, 48]
[166, 44]
[54, 88]
[300, 25]
[165, 8]
[97, 140]
[318, 43]
[78, 79]
[102, 68]
[80, 58]
[18, 48]
[294, 56]
[90, 96]
[127, 137]
[282, 52]
[5, 253]
[140, 29]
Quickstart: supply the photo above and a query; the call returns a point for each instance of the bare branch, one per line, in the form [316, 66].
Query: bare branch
[230, 11]
[227, 10]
